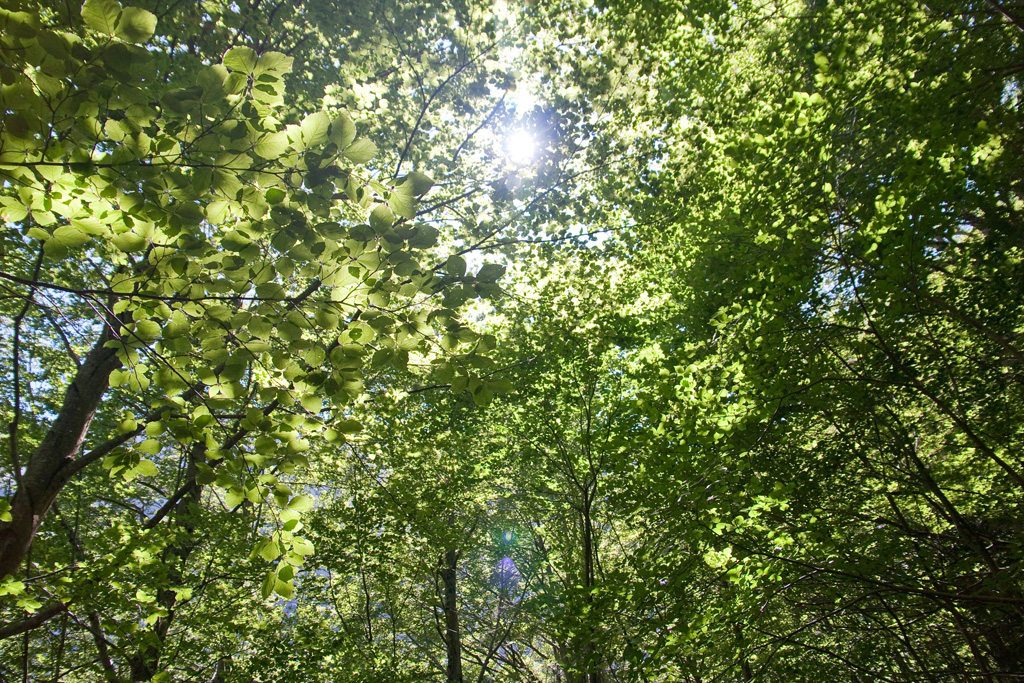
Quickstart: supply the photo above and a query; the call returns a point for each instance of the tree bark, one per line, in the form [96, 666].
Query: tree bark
[591, 665]
[453, 638]
[51, 464]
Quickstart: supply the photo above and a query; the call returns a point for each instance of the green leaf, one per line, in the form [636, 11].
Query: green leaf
[129, 242]
[234, 496]
[343, 131]
[301, 503]
[21, 24]
[483, 396]
[269, 550]
[177, 325]
[147, 330]
[285, 589]
[101, 15]
[211, 79]
[381, 219]
[272, 145]
[29, 604]
[402, 202]
[285, 572]
[8, 584]
[136, 25]
[16, 125]
[361, 151]
[5, 513]
[89, 224]
[146, 468]
[312, 403]
[69, 236]
[490, 272]
[417, 183]
[455, 265]
[501, 386]
[267, 589]
[276, 63]
[349, 426]
[270, 290]
[301, 546]
[242, 59]
[150, 446]
[121, 283]
[424, 237]
[314, 128]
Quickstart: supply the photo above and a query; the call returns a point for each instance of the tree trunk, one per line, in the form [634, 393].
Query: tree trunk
[745, 670]
[591, 665]
[51, 464]
[453, 638]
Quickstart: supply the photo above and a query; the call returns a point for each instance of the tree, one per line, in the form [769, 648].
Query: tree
[831, 397]
[196, 274]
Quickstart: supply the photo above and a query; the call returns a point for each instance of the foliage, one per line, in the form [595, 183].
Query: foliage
[738, 398]
[199, 275]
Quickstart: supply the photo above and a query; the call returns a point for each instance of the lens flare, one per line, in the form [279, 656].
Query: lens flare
[521, 147]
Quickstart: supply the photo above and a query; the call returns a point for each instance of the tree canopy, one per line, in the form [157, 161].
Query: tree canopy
[583, 341]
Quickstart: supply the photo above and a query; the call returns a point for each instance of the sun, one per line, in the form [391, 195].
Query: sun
[520, 147]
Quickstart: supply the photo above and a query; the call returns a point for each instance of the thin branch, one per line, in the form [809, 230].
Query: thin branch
[190, 482]
[494, 110]
[447, 202]
[430, 101]
[16, 372]
[64, 339]
[91, 292]
[1006, 15]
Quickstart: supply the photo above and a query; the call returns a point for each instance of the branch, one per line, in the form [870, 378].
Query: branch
[45, 475]
[430, 100]
[190, 482]
[1009, 17]
[64, 339]
[446, 202]
[34, 621]
[476, 130]
[109, 445]
[895, 588]
[16, 371]
[101, 647]
[108, 293]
